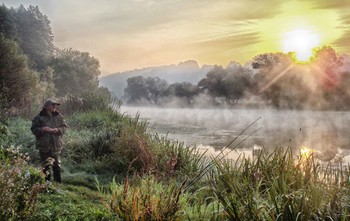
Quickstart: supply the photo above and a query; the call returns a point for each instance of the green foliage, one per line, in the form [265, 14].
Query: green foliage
[71, 203]
[17, 81]
[5, 135]
[23, 138]
[230, 83]
[148, 199]
[20, 185]
[279, 187]
[7, 26]
[75, 72]
[105, 146]
[29, 71]
[110, 141]
[31, 30]
[34, 35]
[184, 90]
[140, 89]
[87, 102]
[174, 159]
[104, 143]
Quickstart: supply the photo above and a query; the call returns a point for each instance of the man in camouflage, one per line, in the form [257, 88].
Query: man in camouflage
[48, 127]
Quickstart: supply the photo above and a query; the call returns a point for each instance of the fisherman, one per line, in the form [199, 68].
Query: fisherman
[48, 127]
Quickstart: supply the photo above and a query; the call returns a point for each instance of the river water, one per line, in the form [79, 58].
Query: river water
[324, 131]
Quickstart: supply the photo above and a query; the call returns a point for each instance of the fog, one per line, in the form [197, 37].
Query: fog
[324, 131]
[271, 80]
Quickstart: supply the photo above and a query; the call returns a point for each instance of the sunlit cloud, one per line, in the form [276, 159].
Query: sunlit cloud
[128, 34]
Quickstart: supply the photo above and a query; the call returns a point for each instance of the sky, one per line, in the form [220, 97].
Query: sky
[131, 34]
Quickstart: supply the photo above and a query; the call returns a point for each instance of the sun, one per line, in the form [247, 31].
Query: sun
[301, 42]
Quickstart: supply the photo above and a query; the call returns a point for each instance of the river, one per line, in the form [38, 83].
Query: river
[325, 131]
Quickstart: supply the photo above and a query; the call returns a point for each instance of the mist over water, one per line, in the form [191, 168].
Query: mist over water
[325, 131]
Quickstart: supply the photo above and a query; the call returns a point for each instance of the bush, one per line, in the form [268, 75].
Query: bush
[88, 102]
[108, 141]
[20, 185]
[23, 138]
[5, 135]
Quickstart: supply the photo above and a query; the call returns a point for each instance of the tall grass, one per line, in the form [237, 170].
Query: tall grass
[147, 199]
[152, 173]
[87, 102]
[279, 187]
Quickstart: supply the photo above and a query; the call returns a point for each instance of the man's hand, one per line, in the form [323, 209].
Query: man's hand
[50, 130]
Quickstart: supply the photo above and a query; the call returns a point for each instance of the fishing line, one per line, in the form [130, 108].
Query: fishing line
[206, 168]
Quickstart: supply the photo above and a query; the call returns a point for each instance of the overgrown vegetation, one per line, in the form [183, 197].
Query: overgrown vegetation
[33, 69]
[114, 169]
[20, 185]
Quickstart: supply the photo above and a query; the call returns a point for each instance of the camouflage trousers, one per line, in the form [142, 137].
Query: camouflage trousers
[49, 160]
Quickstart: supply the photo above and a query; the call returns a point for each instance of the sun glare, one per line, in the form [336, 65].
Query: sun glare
[305, 152]
[301, 42]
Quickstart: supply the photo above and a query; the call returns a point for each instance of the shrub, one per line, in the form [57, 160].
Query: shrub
[110, 141]
[23, 138]
[5, 135]
[88, 102]
[20, 185]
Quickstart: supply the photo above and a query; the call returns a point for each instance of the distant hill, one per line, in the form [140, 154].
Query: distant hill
[187, 71]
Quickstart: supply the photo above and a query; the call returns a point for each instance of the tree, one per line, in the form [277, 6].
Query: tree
[155, 87]
[75, 72]
[144, 89]
[135, 90]
[17, 82]
[213, 83]
[34, 35]
[7, 24]
[283, 83]
[184, 90]
[230, 83]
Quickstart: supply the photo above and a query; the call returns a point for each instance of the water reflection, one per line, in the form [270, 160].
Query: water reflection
[324, 131]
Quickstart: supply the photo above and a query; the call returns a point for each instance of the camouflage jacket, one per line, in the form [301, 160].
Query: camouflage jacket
[46, 142]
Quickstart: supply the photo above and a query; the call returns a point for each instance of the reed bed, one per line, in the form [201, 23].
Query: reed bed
[280, 186]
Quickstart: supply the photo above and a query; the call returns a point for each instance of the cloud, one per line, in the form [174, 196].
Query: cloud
[239, 40]
[334, 4]
[344, 41]
[251, 9]
[124, 34]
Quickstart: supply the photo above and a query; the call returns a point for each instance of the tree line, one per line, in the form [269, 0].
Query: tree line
[32, 68]
[270, 79]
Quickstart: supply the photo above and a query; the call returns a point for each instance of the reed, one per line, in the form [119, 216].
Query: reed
[279, 186]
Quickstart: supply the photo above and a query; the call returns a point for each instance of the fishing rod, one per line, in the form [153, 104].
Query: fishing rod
[205, 169]
[234, 148]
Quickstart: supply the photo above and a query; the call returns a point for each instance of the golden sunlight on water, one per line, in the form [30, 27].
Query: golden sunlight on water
[211, 152]
[305, 152]
[324, 133]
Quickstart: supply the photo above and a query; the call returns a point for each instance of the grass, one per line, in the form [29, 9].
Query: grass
[115, 170]
[71, 202]
[279, 186]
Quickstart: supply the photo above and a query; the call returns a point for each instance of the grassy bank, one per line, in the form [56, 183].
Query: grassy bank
[114, 169]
